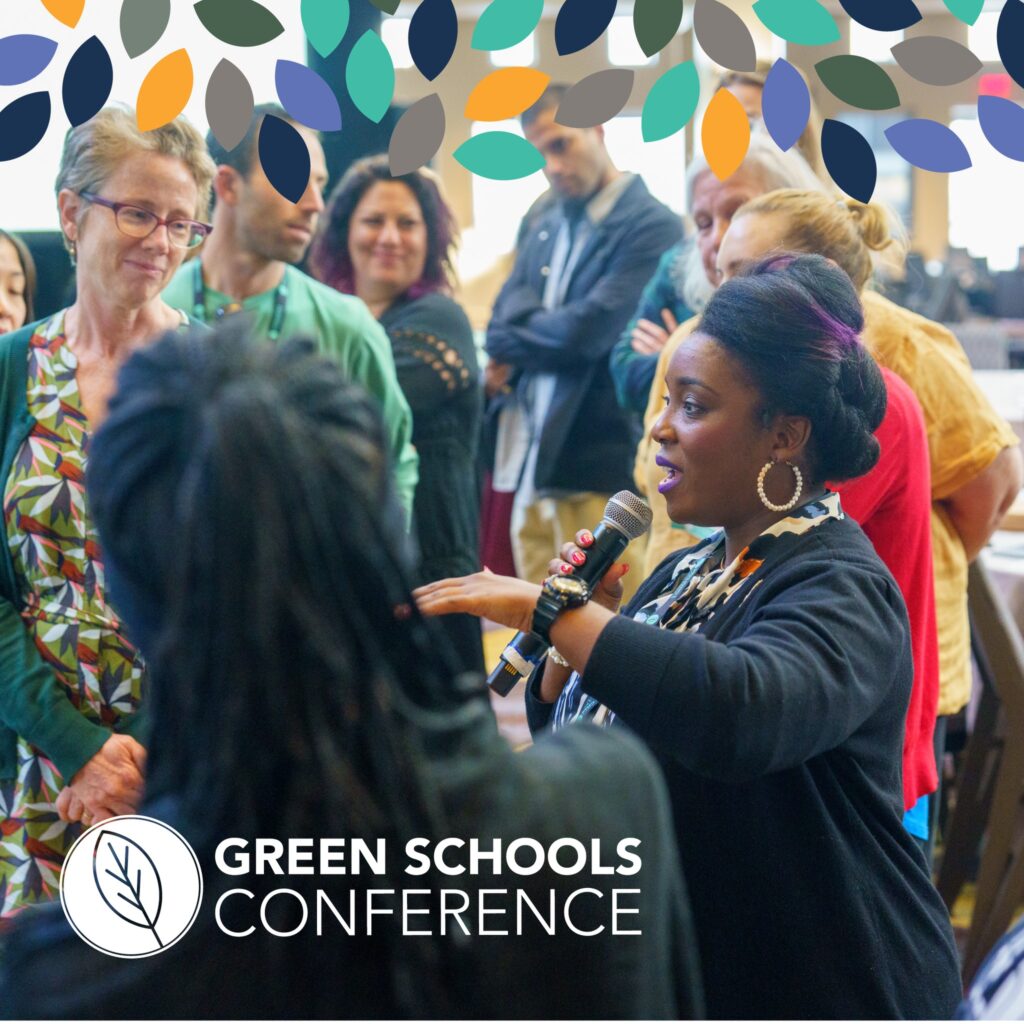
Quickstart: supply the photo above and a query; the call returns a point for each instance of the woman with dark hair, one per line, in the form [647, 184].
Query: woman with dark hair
[768, 666]
[17, 282]
[389, 240]
[319, 704]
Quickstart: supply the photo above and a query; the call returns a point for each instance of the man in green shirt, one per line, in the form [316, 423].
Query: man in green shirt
[244, 265]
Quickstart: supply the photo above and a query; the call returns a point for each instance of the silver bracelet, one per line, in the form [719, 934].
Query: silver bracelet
[554, 656]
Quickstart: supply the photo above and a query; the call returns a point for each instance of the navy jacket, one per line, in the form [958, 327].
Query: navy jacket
[588, 442]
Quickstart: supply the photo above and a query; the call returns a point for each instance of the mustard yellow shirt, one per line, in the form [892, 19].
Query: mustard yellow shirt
[965, 434]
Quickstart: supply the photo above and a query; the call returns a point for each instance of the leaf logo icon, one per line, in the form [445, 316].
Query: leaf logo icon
[128, 881]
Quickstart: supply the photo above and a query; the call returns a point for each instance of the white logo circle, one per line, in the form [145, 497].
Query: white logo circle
[131, 886]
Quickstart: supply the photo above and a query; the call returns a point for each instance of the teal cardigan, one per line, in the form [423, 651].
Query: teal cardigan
[33, 702]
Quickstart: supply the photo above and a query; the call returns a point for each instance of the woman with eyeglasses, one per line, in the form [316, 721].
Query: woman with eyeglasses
[131, 207]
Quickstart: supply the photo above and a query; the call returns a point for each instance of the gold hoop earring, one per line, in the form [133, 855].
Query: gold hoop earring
[764, 497]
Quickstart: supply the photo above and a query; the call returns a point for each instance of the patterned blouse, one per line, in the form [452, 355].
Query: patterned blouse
[700, 584]
[60, 572]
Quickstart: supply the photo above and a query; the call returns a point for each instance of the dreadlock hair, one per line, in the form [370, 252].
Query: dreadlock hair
[257, 553]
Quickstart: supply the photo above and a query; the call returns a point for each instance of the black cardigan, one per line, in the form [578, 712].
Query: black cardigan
[779, 728]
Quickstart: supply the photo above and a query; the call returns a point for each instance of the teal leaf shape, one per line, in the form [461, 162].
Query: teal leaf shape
[325, 23]
[966, 10]
[803, 22]
[370, 76]
[671, 102]
[505, 23]
[142, 24]
[238, 22]
[23, 123]
[858, 82]
[501, 156]
[655, 22]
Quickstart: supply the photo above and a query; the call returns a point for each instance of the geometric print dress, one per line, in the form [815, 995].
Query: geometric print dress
[60, 575]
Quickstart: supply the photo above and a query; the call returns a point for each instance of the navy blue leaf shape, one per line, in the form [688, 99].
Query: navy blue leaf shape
[849, 159]
[889, 16]
[284, 157]
[87, 81]
[23, 123]
[433, 32]
[23, 57]
[580, 22]
[1010, 39]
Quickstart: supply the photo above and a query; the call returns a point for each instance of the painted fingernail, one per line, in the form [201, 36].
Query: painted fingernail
[564, 568]
[578, 557]
[586, 537]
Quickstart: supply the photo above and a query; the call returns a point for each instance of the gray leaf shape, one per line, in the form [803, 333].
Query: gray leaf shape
[936, 60]
[143, 23]
[596, 98]
[723, 36]
[128, 881]
[417, 136]
[229, 104]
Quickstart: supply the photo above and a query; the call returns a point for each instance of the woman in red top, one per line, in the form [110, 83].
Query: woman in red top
[892, 503]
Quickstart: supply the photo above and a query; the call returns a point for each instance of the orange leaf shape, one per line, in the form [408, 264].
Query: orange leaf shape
[505, 93]
[65, 11]
[164, 91]
[725, 134]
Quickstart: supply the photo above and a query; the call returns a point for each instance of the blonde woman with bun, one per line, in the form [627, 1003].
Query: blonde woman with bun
[974, 456]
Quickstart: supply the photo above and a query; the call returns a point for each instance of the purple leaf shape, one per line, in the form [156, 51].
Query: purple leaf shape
[433, 32]
[786, 104]
[581, 22]
[928, 145]
[23, 123]
[24, 57]
[1002, 121]
[87, 81]
[307, 97]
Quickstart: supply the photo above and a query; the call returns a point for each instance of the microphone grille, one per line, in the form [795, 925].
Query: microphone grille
[628, 514]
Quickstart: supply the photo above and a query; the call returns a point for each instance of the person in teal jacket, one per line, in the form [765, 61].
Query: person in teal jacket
[246, 267]
[131, 205]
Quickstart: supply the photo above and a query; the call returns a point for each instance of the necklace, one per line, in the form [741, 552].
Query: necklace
[276, 317]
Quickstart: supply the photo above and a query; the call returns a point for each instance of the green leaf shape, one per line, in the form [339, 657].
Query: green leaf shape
[858, 82]
[238, 22]
[387, 6]
[370, 76]
[505, 23]
[803, 22]
[142, 24]
[501, 156]
[325, 23]
[655, 22]
[966, 10]
[671, 102]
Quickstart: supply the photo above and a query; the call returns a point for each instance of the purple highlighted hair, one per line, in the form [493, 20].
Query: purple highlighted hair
[793, 322]
[329, 259]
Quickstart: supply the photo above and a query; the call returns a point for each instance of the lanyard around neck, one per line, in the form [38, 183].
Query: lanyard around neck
[276, 317]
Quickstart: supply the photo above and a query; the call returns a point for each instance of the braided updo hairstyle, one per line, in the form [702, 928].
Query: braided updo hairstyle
[793, 323]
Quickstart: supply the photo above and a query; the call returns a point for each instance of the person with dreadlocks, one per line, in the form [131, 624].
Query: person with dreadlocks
[311, 699]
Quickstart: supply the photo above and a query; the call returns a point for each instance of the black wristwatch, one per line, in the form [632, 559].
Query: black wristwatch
[557, 594]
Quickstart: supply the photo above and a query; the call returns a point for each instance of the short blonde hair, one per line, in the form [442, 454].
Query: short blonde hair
[845, 231]
[94, 149]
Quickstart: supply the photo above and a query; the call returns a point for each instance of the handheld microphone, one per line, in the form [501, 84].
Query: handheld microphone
[626, 517]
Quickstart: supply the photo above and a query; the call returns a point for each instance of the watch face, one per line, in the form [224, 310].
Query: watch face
[568, 586]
